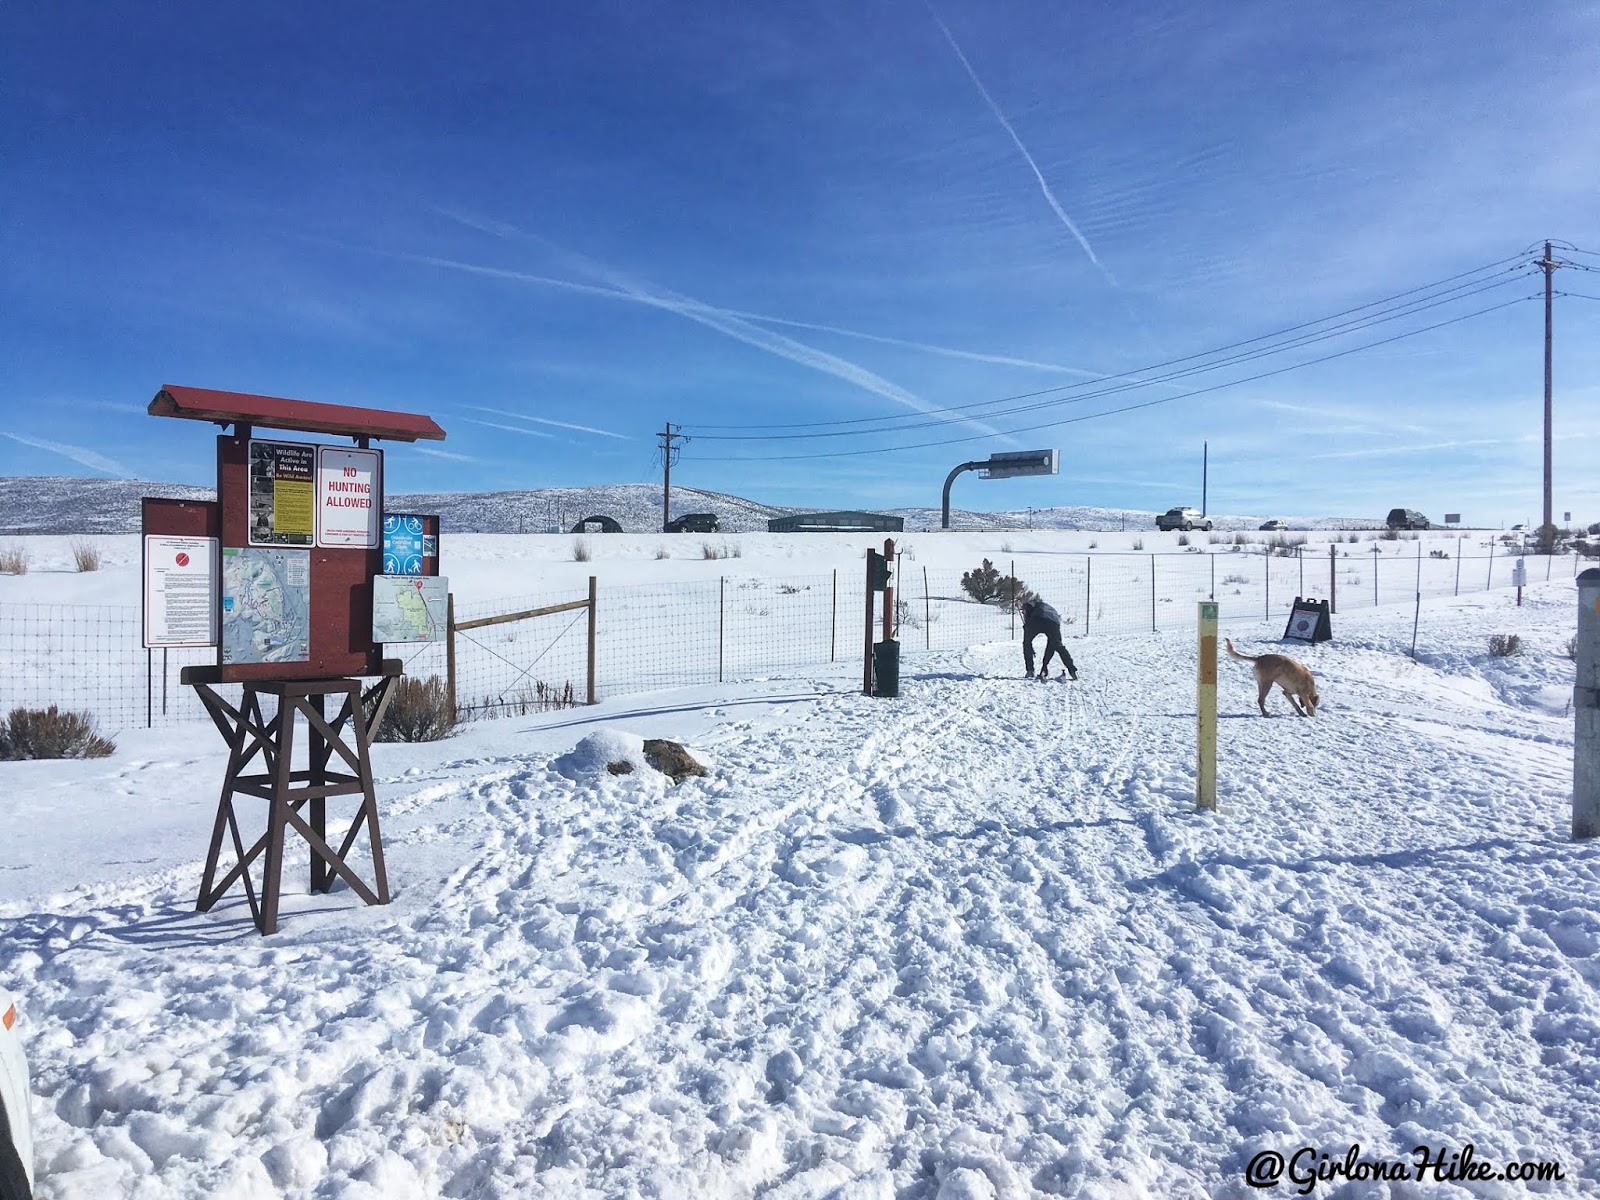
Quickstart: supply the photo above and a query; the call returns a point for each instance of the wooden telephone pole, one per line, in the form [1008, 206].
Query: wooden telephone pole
[669, 452]
[1547, 528]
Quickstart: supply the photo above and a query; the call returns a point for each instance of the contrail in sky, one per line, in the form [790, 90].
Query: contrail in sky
[78, 454]
[506, 412]
[508, 428]
[451, 454]
[1044, 187]
[722, 321]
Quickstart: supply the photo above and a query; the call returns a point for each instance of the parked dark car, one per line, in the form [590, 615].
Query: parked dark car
[1407, 518]
[1274, 526]
[694, 523]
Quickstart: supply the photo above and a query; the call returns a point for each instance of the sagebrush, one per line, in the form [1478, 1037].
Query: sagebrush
[986, 585]
[85, 556]
[1505, 645]
[419, 711]
[51, 733]
[13, 561]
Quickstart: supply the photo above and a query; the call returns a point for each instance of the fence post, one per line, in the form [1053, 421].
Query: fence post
[722, 619]
[1267, 562]
[593, 598]
[1416, 615]
[1489, 582]
[1333, 579]
[1548, 559]
[866, 654]
[1152, 593]
[1375, 552]
[1088, 590]
[1212, 558]
[450, 651]
[1300, 557]
[163, 681]
[833, 626]
[1458, 567]
[1206, 742]
[1586, 711]
[927, 614]
[1013, 597]
[149, 690]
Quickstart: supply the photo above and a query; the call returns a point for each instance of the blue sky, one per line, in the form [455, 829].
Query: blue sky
[555, 227]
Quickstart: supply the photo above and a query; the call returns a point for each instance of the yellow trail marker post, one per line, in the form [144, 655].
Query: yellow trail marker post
[1205, 788]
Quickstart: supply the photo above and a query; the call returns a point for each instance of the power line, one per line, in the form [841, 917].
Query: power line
[1411, 308]
[1130, 407]
[1499, 264]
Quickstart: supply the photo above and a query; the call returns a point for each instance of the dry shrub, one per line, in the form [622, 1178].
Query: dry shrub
[85, 556]
[1505, 645]
[580, 550]
[662, 552]
[708, 551]
[51, 733]
[1572, 646]
[13, 561]
[419, 711]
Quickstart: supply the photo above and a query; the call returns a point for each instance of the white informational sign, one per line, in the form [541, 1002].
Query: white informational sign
[1519, 574]
[409, 608]
[180, 591]
[349, 497]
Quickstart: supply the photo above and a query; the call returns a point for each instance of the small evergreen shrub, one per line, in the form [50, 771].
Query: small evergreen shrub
[51, 733]
[419, 711]
[1505, 645]
[982, 583]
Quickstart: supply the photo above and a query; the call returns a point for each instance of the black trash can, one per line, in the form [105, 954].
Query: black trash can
[886, 669]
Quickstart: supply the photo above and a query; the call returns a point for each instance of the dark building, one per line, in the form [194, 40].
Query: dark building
[837, 522]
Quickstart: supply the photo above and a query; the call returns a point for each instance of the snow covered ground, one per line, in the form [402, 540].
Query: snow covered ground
[973, 942]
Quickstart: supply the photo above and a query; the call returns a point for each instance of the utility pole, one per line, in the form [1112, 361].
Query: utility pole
[1205, 466]
[668, 453]
[1547, 264]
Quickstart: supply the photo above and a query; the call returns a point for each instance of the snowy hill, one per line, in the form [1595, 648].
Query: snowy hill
[55, 504]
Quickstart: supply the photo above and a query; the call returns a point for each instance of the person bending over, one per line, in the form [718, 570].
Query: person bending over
[1038, 617]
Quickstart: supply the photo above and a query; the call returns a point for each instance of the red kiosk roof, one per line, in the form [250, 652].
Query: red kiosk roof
[270, 412]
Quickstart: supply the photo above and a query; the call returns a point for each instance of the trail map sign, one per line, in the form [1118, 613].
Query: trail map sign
[282, 508]
[410, 544]
[409, 608]
[180, 591]
[266, 605]
[349, 496]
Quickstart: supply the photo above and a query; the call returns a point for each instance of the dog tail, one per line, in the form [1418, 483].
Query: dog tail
[1232, 653]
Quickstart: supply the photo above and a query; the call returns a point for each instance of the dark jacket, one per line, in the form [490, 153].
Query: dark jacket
[1038, 613]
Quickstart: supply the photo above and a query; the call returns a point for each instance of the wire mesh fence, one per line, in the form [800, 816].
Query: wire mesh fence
[743, 627]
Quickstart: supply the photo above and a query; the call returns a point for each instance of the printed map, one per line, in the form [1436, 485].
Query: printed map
[266, 605]
[408, 608]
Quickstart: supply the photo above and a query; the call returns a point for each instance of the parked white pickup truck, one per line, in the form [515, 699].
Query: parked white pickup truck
[1184, 519]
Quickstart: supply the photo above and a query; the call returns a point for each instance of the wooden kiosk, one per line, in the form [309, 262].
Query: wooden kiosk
[296, 531]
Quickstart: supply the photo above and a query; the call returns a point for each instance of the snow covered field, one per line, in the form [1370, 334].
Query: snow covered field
[685, 610]
[973, 942]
